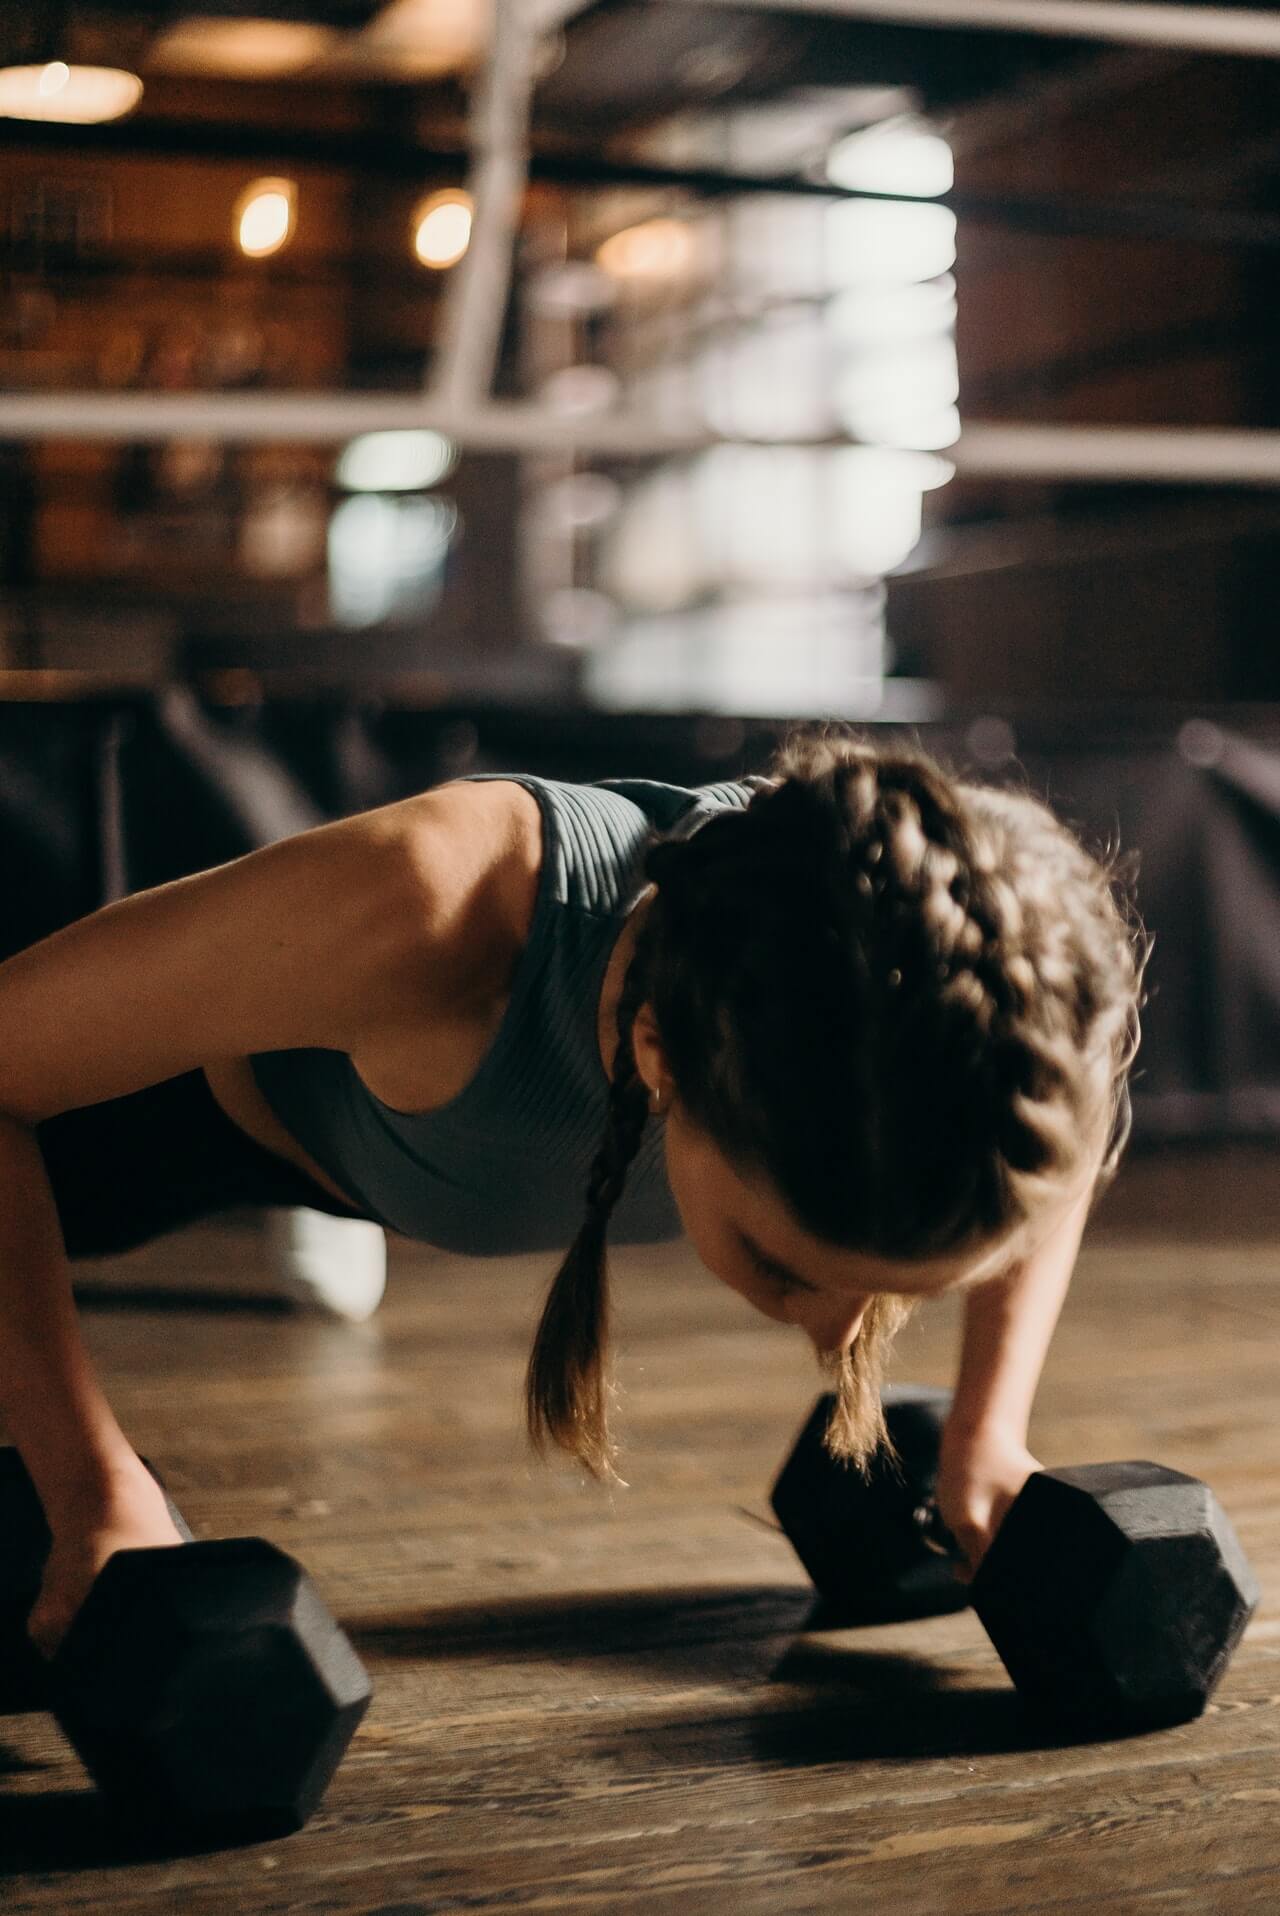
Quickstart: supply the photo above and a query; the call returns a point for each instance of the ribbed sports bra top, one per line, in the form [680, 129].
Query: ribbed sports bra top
[503, 1167]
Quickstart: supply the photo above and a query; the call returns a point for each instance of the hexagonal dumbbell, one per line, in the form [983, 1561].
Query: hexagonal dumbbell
[1114, 1594]
[206, 1689]
[862, 1540]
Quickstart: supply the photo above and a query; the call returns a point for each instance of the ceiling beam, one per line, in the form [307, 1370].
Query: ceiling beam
[1155, 455]
[1244, 31]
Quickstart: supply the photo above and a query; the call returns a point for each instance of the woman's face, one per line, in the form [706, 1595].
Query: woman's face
[748, 1239]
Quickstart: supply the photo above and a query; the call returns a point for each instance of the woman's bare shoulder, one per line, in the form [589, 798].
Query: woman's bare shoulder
[479, 848]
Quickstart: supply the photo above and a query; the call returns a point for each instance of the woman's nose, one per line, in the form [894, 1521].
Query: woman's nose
[835, 1327]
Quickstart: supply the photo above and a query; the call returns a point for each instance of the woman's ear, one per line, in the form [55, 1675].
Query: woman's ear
[651, 1060]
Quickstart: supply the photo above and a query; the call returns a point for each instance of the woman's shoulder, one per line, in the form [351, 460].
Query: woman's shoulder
[478, 843]
[476, 850]
[482, 843]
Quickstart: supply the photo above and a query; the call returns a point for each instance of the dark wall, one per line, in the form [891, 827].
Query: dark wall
[1158, 311]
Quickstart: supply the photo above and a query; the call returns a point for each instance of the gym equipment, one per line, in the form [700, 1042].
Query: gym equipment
[862, 1541]
[1114, 1594]
[206, 1688]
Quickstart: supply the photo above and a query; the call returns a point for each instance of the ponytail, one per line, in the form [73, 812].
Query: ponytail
[567, 1385]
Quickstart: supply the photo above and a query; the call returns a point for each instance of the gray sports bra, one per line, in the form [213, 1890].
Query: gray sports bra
[503, 1167]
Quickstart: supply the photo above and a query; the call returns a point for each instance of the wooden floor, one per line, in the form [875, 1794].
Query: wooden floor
[596, 1703]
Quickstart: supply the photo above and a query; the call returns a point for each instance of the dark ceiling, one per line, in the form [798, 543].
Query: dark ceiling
[625, 64]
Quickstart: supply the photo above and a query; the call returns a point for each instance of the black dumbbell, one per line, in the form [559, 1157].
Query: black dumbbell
[862, 1540]
[1114, 1594]
[206, 1688]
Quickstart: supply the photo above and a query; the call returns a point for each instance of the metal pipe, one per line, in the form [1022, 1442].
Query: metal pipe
[1244, 31]
[460, 372]
[1154, 455]
[1171, 455]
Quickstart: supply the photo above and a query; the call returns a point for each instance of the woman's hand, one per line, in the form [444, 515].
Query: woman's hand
[132, 1515]
[980, 1472]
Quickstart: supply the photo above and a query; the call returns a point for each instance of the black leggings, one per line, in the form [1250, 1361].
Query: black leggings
[132, 1168]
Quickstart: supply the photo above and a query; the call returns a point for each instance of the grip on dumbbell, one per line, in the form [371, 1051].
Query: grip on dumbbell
[869, 1544]
[24, 1546]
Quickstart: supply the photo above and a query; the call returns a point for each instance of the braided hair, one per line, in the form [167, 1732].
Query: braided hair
[906, 1002]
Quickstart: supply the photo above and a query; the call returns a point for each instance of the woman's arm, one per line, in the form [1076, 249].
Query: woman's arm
[1008, 1325]
[315, 941]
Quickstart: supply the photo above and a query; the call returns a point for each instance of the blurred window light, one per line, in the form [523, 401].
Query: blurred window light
[668, 391]
[770, 381]
[657, 249]
[787, 657]
[581, 502]
[879, 315]
[578, 618]
[395, 462]
[781, 135]
[924, 471]
[442, 229]
[243, 49]
[930, 432]
[577, 391]
[264, 218]
[387, 556]
[569, 287]
[654, 556]
[776, 246]
[72, 95]
[903, 155]
[875, 499]
[902, 396]
[760, 509]
[876, 242]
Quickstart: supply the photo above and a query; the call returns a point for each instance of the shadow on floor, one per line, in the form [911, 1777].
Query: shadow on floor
[47, 1832]
[170, 1298]
[676, 1628]
[862, 1703]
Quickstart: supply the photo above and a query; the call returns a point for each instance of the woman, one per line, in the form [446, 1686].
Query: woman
[886, 1016]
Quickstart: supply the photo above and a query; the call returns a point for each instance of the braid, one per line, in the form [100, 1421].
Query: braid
[567, 1387]
[983, 929]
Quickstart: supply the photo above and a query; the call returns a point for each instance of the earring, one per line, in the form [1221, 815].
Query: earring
[655, 1101]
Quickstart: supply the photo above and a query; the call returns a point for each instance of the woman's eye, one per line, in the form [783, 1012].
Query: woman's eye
[783, 1285]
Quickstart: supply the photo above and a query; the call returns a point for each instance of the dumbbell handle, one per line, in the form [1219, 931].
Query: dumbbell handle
[933, 1532]
[23, 1549]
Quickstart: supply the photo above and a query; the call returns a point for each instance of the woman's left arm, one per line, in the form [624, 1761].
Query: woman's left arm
[1008, 1325]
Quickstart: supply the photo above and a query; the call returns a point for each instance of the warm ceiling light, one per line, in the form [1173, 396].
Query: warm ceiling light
[247, 49]
[264, 217]
[657, 249]
[420, 39]
[80, 95]
[442, 229]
